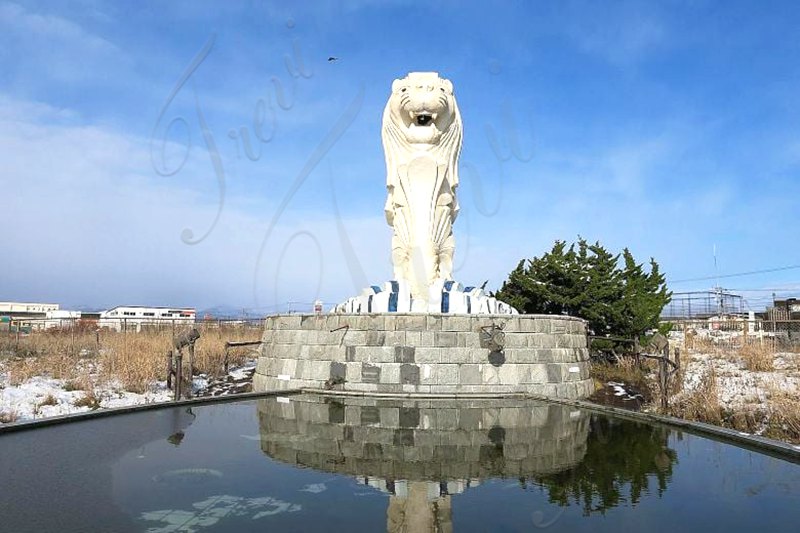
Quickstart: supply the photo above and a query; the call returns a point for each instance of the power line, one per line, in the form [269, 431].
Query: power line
[752, 272]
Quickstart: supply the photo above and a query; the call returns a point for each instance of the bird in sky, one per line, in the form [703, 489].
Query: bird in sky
[331, 59]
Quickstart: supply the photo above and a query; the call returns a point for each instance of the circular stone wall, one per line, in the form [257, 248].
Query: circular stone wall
[423, 354]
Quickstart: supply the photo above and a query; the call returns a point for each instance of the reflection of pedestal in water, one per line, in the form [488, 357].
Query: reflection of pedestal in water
[422, 452]
[436, 440]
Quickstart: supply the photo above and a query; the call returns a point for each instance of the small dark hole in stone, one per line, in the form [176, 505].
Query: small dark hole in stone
[497, 435]
[497, 358]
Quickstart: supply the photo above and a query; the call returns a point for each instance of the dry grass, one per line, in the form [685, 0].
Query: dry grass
[7, 417]
[134, 360]
[89, 399]
[785, 417]
[625, 370]
[758, 357]
[702, 403]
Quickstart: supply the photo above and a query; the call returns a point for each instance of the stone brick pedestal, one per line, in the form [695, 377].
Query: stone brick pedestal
[423, 354]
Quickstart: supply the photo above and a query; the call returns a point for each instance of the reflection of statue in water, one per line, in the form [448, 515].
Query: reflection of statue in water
[417, 511]
[422, 141]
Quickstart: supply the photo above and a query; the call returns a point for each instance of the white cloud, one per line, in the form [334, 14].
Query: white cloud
[93, 224]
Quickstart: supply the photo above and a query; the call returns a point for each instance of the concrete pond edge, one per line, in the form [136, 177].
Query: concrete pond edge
[771, 447]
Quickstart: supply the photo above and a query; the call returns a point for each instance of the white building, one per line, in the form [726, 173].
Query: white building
[133, 317]
[58, 318]
[24, 309]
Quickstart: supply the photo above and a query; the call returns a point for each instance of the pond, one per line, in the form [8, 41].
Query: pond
[312, 463]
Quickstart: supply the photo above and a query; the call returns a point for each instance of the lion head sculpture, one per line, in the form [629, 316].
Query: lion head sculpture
[422, 115]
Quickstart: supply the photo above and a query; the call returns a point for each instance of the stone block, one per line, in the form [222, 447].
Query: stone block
[469, 374]
[541, 325]
[376, 354]
[353, 337]
[353, 372]
[409, 375]
[444, 339]
[286, 322]
[375, 338]
[390, 388]
[350, 353]
[370, 416]
[427, 338]
[516, 340]
[509, 374]
[336, 413]
[404, 354]
[490, 375]
[390, 373]
[370, 373]
[428, 355]
[395, 338]
[464, 338]
[409, 417]
[374, 323]
[554, 373]
[413, 338]
[538, 373]
[410, 323]
[428, 374]
[337, 371]
[433, 323]
[447, 374]
[456, 323]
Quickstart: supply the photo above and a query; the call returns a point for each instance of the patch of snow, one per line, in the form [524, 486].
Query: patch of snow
[26, 400]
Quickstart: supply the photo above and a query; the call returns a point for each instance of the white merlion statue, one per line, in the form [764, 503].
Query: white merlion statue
[422, 141]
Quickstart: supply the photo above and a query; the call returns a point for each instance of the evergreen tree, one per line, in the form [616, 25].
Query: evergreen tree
[587, 281]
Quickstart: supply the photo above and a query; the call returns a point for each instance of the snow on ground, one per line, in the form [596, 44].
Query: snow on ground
[737, 386]
[31, 399]
[40, 397]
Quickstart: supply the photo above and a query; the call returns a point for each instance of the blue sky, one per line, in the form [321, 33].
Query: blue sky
[202, 154]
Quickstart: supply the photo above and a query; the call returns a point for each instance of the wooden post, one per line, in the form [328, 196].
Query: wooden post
[178, 375]
[191, 371]
[170, 369]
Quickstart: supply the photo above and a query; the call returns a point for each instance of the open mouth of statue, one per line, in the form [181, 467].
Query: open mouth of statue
[422, 118]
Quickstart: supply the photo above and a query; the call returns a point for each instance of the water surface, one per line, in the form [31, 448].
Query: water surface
[308, 463]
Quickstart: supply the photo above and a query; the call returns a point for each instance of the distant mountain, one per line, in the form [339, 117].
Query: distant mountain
[227, 311]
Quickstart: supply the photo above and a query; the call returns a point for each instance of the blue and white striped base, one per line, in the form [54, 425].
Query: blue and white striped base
[445, 296]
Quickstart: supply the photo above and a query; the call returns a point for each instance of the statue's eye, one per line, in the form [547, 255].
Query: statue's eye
[403, 90]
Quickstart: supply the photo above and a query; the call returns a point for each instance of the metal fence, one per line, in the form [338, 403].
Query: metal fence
[703, 304]
[736, 332]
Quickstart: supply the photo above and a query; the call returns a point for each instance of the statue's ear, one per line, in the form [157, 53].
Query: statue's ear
[396, 85]
[448, 86]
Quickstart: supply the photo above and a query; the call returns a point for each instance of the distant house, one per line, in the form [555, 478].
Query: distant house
[134, 317]
[786, 309]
